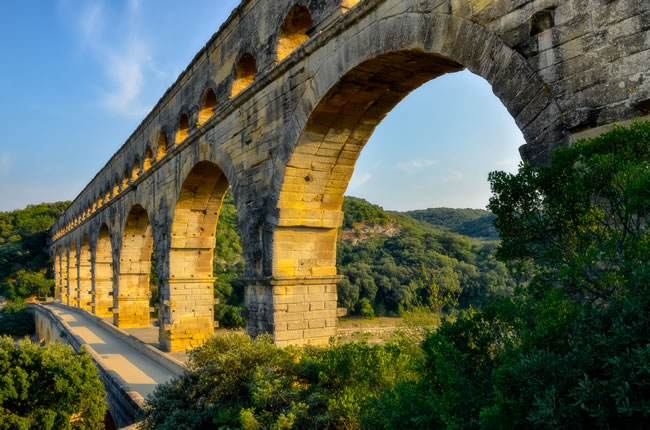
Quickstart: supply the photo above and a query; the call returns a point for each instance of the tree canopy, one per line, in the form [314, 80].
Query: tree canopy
[48, 387]
[23, 250]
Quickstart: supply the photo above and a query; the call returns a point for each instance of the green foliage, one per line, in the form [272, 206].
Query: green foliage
[236, 382]
[357, 210]
[571, 349]
[15, 320]
[228, 267]
[365, 308]
[477, 223]
[24, 259]
[583, 221]
[48, 387]
[417, 265]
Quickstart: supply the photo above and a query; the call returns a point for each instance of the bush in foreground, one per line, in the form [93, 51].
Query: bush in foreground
[16, 320]
[48, 387]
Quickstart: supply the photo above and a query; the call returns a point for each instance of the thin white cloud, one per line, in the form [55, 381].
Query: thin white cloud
[91, 22]
[122, 54]
[358, 180]
[126, 75]
[409, 166]
[5, 164]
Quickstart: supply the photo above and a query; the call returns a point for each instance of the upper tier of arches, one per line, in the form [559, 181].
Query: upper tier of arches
[295, 21]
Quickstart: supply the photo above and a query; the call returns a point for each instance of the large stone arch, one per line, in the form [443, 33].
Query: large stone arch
[103, 273]
[73, 274]
[84, 297]
[187, 295]
[57, 273]
[131, 300]
[369, 73]
[64, 274]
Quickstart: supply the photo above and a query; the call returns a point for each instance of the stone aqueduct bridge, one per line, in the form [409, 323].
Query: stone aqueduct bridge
[278, 106]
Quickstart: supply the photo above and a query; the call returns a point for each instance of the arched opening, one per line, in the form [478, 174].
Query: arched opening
[85, 275]
[183, 128]
[347, 110]
[148, 159]
[103, 274]
[48, 338]
[293, 32]
[161, 150]
[57, 274]
[322, 164]
[131, 304]
[73, 276]
[116, 187]
[126, 178]
[190, 316]
[135, 169]
[244, 74]
[208, 104]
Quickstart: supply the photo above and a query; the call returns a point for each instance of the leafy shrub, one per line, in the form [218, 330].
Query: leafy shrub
[15, 320]
[48, 387]
[236, 382]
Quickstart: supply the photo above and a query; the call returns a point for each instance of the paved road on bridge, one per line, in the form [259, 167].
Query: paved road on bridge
[141, 373]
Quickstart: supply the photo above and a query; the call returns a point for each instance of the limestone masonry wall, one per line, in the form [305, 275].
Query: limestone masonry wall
[279, 104]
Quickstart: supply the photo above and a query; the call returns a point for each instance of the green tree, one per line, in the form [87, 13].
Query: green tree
[570, 349]
[25, 266]
[48, 387]
[583, 221]
[16, 320]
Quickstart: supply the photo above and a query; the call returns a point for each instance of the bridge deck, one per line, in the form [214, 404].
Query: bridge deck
[141, 373]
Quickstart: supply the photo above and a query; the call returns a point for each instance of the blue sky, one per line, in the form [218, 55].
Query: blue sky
[78, 76]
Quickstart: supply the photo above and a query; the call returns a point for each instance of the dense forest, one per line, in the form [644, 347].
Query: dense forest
[397, 263]
[24, 267]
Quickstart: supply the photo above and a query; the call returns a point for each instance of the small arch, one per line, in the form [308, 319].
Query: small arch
[135, 169]
[208, 103]
[244, 74]
[163, 145]
[183, 128]
[116, 187]
[148, 159]
[293, 32]
[126, 178]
